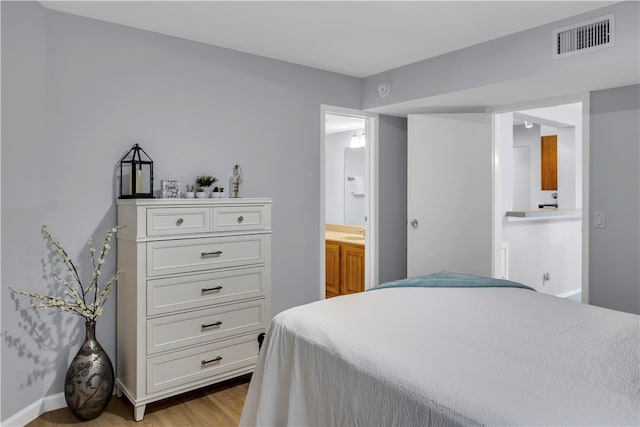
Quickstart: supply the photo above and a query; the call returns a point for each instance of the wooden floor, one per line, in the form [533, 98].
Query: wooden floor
[217, 405]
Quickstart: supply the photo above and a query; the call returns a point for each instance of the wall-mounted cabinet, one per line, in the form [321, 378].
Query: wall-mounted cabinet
[549, 163]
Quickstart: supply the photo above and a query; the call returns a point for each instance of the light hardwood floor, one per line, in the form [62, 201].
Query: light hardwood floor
[214, 406]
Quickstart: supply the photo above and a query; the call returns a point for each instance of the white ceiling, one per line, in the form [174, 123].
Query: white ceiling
[357, 38]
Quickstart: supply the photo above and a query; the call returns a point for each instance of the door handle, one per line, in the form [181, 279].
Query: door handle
[414, 223]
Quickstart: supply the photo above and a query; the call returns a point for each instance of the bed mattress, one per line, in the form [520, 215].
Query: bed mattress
[447, 356]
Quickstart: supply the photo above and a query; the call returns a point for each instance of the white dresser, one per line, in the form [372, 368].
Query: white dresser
[194, 295]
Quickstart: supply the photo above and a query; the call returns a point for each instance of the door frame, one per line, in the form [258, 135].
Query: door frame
[497, 178]
[371, 191]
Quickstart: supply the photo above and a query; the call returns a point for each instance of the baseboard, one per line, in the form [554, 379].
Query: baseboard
[569, 293]
[37, 408]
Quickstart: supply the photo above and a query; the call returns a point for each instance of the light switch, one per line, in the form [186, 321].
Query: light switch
[598, 219]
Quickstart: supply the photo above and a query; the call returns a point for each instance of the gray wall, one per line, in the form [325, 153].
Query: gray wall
[77, 93]
[392, 208]
[23, 115]
[524, 55]
[614, 251]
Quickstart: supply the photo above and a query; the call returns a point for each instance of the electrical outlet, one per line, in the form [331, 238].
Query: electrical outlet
[546, 277]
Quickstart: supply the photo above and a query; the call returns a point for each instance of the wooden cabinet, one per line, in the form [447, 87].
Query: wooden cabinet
[194, 294]
[351, 269]
[344, 268]
[549, 162]
[332, 277]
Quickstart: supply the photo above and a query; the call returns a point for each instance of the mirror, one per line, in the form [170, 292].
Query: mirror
[354, 206]
[546, 157]
[344, 170]
[535, 174]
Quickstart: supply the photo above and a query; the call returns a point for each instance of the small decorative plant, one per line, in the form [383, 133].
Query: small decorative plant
[188, 194]
[86, 301]
[200, 190]
[206, 180]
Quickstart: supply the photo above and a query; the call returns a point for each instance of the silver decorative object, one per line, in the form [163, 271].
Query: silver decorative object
[89, 382]
[236, 182]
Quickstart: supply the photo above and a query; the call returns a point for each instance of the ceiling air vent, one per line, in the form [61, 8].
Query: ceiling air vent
[583, 37]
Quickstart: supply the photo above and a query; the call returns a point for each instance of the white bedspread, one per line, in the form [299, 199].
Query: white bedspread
[446, 356]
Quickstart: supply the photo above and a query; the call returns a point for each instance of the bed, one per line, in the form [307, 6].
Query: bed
[413, 355]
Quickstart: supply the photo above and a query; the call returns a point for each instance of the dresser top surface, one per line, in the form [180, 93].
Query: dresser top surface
[193, 202]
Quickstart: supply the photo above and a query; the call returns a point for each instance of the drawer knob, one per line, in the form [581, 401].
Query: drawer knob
[210, 254]
[240, 219]
[215, 288]
[179, 222]
[206, 362]
[210, 325]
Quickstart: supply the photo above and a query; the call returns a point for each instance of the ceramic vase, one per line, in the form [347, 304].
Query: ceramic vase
[89, 383]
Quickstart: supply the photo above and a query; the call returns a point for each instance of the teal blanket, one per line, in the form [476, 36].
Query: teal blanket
[451, 280]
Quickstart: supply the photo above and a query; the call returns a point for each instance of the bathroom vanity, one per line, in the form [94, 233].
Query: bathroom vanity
[344, 260]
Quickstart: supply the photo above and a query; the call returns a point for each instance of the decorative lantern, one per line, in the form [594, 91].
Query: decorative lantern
[136, 174]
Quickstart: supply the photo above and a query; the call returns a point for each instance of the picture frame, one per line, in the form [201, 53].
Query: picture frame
[170, 189]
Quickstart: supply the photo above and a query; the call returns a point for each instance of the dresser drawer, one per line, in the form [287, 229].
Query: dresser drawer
[237, 218]
[204, 326]
[177, 220]
[202, 290]
[201, 364]
[194, 255]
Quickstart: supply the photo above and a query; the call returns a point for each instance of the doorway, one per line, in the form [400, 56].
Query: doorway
[541, 227]
[461, 156]
[348, 205]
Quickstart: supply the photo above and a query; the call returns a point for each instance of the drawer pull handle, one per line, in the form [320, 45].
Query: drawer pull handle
[208, 254]
[215, 288]
[240, 219]
[206, 362]
[210, 325]
[179, 222]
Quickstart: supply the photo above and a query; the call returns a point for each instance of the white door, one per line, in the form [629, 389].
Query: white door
[449, 194]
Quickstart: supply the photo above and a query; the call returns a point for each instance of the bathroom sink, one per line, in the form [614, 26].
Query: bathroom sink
[353, 238]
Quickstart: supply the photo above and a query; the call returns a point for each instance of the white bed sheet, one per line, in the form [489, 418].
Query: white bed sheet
[447, 356]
